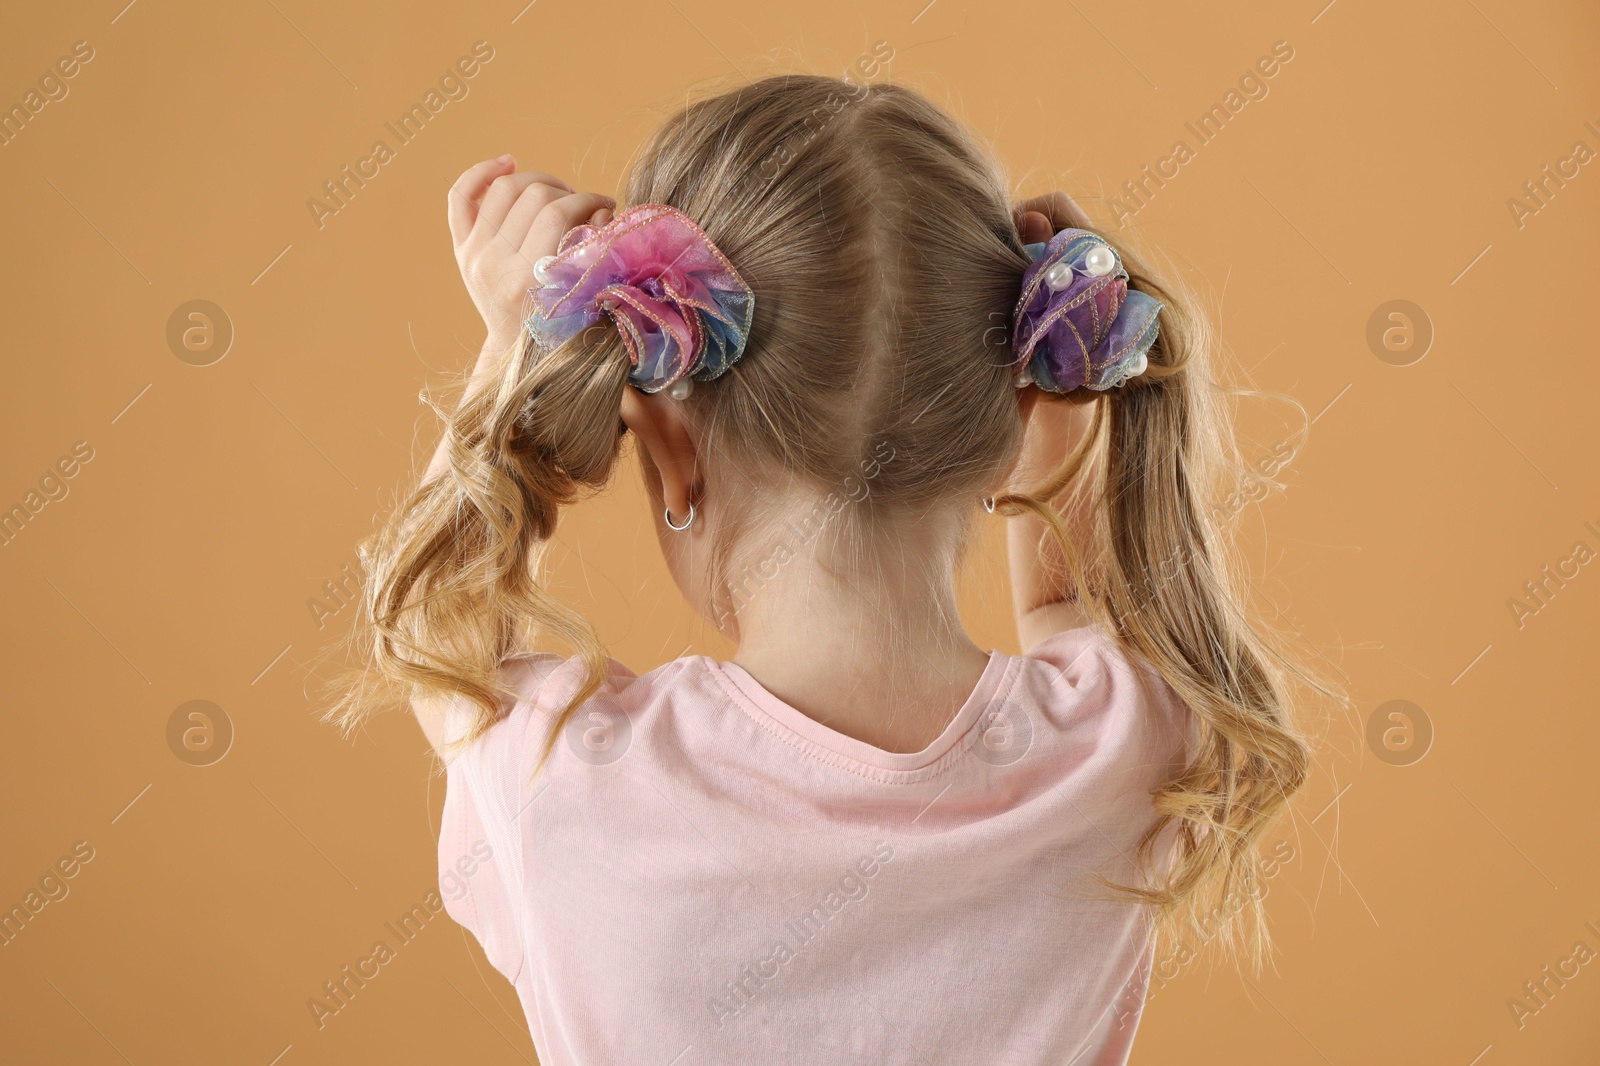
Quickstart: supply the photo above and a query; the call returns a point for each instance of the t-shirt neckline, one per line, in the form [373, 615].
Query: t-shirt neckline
[812, 732]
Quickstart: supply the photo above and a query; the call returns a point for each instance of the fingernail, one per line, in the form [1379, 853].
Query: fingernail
[503, 159]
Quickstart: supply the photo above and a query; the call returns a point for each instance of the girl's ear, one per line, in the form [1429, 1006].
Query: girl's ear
[1027, 399]
[657, 421]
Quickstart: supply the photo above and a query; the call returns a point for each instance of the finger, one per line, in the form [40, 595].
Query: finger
[462, 206]
[503, 193]
[559, 216]
[1034, 227]
[1064, 212]
[1059, 208]
[513, 227]
[519, 220]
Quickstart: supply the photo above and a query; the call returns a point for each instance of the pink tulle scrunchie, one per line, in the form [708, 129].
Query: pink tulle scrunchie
[681, 308]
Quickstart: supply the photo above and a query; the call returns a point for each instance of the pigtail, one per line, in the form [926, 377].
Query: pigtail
[452, 582]
[1129, 511]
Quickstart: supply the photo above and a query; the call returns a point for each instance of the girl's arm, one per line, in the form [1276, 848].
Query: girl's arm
[1043, 596]
[1042, 592]
[501, 223]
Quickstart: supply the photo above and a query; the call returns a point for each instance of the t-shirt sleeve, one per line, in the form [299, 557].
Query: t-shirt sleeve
[1139, 734]
[1170, 727]
[488, 786]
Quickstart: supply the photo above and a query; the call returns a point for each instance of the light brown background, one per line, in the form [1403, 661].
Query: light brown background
[1420, 897]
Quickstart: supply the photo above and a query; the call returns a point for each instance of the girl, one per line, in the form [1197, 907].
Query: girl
[864, 838]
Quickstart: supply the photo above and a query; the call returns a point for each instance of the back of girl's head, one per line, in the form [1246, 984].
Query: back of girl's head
[881, 246]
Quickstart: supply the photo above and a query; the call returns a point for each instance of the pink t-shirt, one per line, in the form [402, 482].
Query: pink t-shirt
[702, 874]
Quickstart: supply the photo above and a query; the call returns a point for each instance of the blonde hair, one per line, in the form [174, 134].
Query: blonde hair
[880, 242]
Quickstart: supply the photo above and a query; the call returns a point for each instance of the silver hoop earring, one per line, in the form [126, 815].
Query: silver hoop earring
[988, 504]
[666, 512]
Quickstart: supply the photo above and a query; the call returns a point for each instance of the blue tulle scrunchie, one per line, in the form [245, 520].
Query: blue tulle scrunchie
[1077, 324]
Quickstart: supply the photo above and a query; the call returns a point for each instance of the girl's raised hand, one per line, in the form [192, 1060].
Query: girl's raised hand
[1038, 219]
[501, 223]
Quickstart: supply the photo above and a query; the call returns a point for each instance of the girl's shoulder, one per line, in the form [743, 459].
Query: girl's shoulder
[537, 687]
[1087, 673]
[542, 681]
